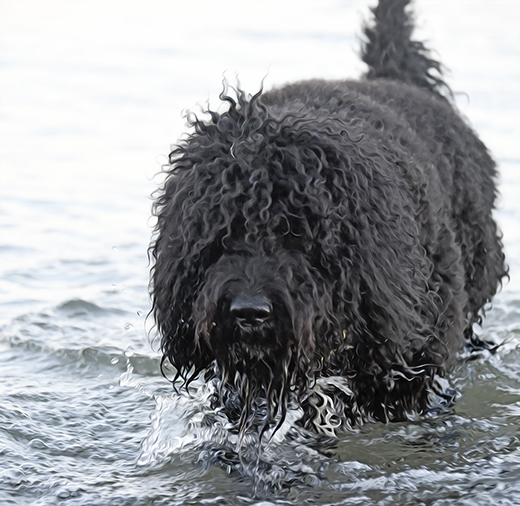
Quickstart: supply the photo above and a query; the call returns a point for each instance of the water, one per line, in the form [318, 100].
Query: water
[91, 96]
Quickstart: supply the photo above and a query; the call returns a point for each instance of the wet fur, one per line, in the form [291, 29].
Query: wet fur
[361, 210]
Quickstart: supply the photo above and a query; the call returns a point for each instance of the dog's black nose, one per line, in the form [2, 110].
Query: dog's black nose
[251, 311]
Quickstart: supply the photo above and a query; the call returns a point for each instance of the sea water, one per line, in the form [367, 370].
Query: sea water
[92, 95]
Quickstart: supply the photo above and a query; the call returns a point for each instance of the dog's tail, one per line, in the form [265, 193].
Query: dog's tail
[390, 52]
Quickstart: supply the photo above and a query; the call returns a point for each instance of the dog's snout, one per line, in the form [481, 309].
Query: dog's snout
[251, 311]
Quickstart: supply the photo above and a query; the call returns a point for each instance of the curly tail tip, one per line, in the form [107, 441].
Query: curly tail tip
[390, 52]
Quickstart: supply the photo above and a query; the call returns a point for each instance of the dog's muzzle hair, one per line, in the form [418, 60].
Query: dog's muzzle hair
[258, 315]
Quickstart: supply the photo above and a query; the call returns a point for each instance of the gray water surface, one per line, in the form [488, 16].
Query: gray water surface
[92, 94]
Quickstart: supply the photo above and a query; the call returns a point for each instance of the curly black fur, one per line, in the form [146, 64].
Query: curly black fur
[327, 243]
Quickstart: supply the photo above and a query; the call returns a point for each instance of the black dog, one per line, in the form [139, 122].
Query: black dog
[328, 245]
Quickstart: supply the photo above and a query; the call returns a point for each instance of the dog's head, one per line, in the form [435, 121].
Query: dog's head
[246, 256]
[283, 237]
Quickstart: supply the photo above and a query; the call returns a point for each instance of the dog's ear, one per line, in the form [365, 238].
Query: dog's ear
[171, 310]
[192, 221]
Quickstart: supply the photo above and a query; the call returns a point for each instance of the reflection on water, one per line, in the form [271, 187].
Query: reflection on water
[92, 92]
